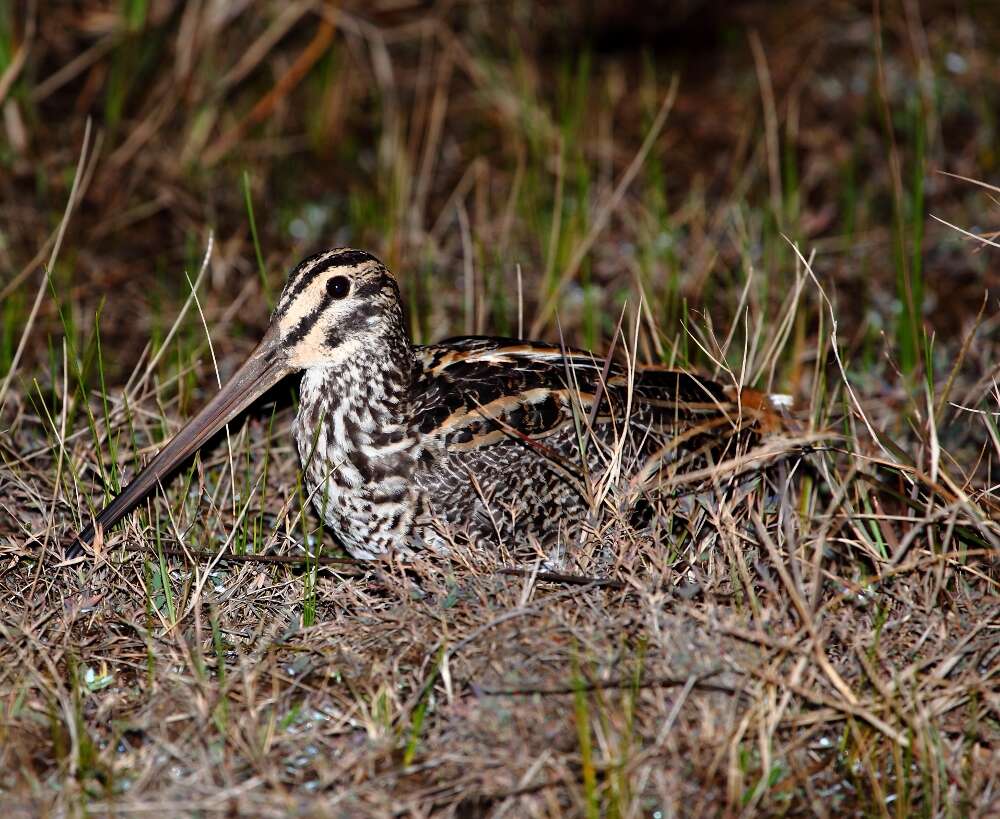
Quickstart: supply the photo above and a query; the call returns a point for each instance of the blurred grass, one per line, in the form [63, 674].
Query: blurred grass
[372, 210]
[463, 143]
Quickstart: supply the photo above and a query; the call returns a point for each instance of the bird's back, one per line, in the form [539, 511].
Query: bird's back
[516, 434]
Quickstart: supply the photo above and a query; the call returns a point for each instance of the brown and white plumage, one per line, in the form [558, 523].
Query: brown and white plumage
[407, 448]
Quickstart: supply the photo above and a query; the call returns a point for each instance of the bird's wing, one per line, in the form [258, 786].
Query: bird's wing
[473, 391]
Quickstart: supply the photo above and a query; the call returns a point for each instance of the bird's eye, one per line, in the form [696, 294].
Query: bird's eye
[338, 287]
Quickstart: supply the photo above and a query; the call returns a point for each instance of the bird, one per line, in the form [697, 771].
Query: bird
[409, 449]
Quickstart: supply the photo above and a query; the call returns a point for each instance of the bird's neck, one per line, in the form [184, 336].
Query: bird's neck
[369, 390]
[357, 446]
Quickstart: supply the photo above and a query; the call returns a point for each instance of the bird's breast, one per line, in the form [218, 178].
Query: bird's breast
[358, 461]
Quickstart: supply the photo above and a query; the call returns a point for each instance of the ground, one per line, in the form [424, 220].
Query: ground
[776, 194]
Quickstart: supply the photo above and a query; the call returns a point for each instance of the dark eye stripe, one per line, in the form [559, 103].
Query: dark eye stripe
[308, 321]
[306, 271]
[312, 266]
[350, 258]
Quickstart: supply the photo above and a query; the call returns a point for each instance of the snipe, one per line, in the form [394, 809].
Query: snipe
[406, 447]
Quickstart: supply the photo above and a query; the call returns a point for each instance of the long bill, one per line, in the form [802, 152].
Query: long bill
[265, 367]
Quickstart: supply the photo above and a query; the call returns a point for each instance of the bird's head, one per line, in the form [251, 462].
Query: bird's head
[335, 305]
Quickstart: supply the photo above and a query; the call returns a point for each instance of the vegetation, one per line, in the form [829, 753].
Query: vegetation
[780, 194]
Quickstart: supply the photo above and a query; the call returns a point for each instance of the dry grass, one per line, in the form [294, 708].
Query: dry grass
[821, 641]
